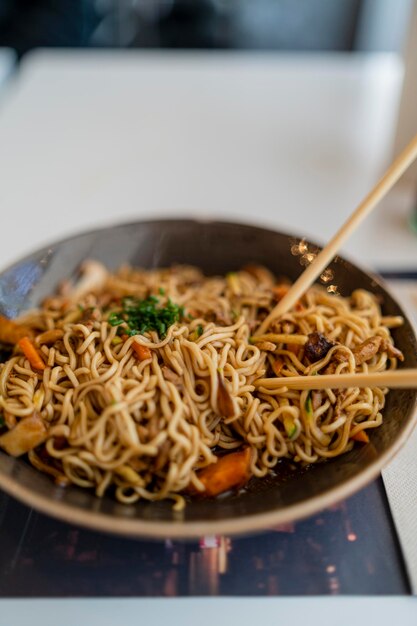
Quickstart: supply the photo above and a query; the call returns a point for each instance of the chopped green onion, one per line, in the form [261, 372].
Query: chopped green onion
[290, 427]
[308, 405]
[141, 316]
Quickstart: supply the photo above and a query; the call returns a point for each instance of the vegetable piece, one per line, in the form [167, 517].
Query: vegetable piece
[11, 332]
[277, 366]
[308, 405]
[279, 291]
[225, 404]
[29, 433]
[295, 348]
[196, 334]
[230, 471]
[142, 352]
[290, 427]
[361, 435]
[317, 347]
[129, 475]
[141, 316]
[31, 353]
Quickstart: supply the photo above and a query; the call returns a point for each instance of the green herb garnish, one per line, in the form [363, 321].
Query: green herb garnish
[199, 330]
[2, 422]
[141, 316]
[161, 291]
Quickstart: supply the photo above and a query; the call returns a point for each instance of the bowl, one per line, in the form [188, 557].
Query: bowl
[216, 247]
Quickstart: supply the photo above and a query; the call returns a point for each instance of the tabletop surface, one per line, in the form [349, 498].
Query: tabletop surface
[290, 141]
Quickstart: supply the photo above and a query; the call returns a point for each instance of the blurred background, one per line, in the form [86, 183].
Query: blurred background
[254, 95]
[345, 25]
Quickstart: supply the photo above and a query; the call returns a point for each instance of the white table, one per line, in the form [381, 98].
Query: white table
[88, 138]
[287, 141]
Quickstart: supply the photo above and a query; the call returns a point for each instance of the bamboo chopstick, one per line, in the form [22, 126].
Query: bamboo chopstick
[307, 278]
[398, 379]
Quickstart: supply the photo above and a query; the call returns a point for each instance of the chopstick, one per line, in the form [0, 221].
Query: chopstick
[307, 278]
[398, 379]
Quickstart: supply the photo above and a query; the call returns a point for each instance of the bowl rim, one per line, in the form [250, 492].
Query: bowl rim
[182, 529]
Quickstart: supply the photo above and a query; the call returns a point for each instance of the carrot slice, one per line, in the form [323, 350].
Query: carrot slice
[142, 352]
[231, 470]
[295, 348]
[279, 291]
[31, 353]
[361, 436]
[277, 366]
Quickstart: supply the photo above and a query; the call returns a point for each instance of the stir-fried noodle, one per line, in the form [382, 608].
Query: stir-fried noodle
[148, 377]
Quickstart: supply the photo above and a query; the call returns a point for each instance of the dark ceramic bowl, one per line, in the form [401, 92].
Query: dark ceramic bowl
[217, 248]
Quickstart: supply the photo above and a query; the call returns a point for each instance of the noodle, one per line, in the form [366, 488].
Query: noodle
[145, 427]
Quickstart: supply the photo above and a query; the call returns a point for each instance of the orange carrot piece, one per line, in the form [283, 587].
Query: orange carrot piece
[299, 306]
[361, 436]
[277, 366]
[231, 470]
[294, 348]
[142, 352]
[31, 353]
[280, 291]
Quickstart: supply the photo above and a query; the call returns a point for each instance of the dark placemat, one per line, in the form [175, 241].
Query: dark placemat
[350, 548]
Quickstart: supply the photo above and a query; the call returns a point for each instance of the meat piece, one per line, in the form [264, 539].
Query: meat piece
[316, 399]
[29, 433]
[340, 397]
[168, 374]
[367, 349]
[93, 277]
[225, 404]
[163, 455]
[331, 368]
[393, 352]
[363, 352]
[317, 347]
